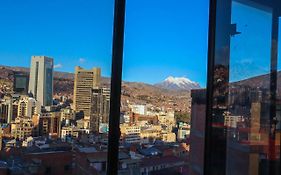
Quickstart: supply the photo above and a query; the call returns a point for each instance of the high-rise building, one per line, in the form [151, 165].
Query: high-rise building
[101, 104]
[85, 81]
[21, 83]
[41, 79]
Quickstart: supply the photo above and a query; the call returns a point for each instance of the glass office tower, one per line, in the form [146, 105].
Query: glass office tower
[41, 79]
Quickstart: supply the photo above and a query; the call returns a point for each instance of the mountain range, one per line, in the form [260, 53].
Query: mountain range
[178, 83]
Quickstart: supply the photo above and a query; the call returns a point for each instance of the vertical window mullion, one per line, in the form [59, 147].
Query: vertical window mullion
[217, 87]
[116, 80]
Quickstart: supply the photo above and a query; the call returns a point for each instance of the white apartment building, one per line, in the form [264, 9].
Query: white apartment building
[139, 109]
[27, 107]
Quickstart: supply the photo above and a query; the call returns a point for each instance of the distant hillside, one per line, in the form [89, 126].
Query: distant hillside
[262, 81]
[135, 92]
[63, 75]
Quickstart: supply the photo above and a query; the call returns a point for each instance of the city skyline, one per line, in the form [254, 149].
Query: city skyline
[162, 118]
[167, 38]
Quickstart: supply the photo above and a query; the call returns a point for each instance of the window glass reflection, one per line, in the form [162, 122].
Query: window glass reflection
[245, 138]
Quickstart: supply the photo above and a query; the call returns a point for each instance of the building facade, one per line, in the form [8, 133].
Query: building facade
[21, 82]
[197, 132]
[130, 134]
[22, 128]
[101, 104]
[85, 81]
[6, 110]
[41, 79]
[27, 107]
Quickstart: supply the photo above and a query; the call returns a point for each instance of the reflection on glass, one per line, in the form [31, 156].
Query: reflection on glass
[245, 137]
[247, 118]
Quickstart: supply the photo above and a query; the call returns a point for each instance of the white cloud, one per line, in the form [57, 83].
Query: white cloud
[57, 66]
[245, 61]
[82, 60]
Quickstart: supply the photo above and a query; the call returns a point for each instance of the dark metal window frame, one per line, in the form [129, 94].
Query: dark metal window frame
[116, 82]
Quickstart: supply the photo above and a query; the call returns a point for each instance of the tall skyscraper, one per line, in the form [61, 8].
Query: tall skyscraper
[41, 79]
[85, 81]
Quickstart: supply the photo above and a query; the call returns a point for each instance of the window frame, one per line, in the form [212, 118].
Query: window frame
[116, 82]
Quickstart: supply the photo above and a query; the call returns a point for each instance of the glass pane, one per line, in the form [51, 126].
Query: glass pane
[248, 115]
[54, 109]
[164, 58]
[246, 61]
[243, 110]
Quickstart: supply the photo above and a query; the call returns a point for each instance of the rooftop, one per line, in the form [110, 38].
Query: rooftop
[154, 161]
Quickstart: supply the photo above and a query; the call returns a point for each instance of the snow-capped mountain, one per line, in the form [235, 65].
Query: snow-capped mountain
[178, 83]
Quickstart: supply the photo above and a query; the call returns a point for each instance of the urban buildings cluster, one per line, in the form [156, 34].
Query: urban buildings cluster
[35, 129]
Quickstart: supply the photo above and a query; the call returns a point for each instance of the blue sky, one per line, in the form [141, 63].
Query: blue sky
[251, 50]
[162, 37]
